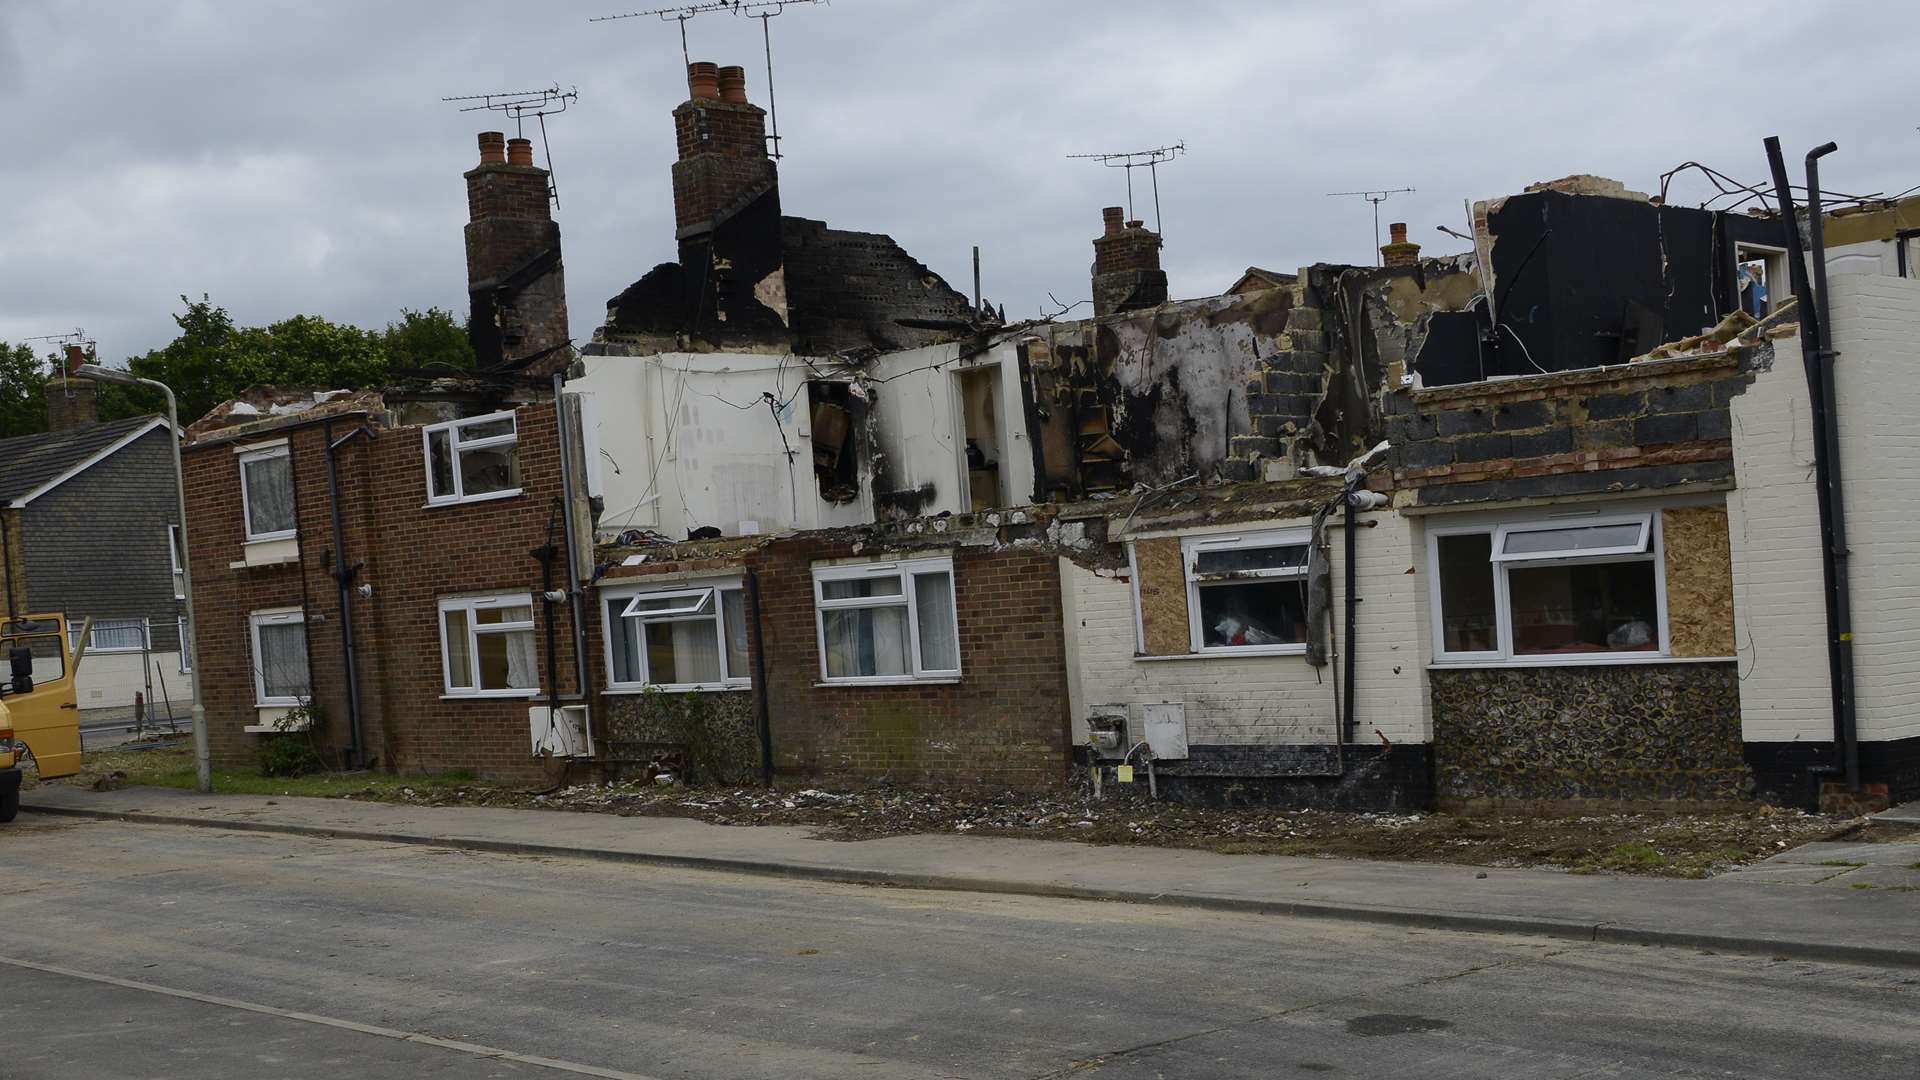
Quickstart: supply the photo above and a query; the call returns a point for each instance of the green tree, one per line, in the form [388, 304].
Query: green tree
[429, 339]
[22, 375]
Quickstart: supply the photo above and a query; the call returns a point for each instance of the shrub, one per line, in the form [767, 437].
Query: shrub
[288, 755]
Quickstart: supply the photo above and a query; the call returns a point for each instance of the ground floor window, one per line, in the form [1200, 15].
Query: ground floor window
[685, 636]
[112, 635]
[1573, 584]
[1247, 593]
[487, 646]
[886, 622]
[280, 674]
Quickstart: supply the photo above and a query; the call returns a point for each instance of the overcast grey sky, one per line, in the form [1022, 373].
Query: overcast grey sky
[294, 157]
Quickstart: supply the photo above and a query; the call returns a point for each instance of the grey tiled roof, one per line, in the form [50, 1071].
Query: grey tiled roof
[28, 461]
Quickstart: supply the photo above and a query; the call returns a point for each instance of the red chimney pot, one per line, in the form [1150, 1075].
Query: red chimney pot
[75, 357]
[1398, 230]
[703, 81]
[733, 85]
[493, 148]
[1111, 217]
[520, 151]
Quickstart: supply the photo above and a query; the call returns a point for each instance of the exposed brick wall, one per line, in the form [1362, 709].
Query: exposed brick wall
[1126, 267]
[411, 554]
[1656, 425]
[1003, 724]
[514, 276]
[723, 158]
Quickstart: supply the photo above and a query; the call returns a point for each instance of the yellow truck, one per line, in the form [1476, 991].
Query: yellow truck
[39, 712]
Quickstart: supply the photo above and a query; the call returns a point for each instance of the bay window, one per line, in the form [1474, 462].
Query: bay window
[1247, 593]
[487, 646]
[677, 637]
[1567, 586]
[887, 622]
[472, 459]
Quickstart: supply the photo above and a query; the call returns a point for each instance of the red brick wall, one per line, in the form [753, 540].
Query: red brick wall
[1003, 724]
[411, 555]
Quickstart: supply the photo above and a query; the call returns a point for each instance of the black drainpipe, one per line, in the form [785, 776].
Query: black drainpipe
[343, 576]
[1816, 343]
[548, 553]
[760, 687]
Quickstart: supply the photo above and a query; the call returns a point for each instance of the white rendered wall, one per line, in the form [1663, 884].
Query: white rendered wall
[108, 680]
[1266, 699]
[918, 413]
[1876, 330]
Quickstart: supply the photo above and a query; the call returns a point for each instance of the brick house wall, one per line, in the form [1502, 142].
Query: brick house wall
[411, 555]
[1003, 724]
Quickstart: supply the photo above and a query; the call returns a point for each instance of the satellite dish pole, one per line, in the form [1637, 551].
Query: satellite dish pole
[1376, 198]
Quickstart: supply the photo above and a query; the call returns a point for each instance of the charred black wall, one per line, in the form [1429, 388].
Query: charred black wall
[847, 289]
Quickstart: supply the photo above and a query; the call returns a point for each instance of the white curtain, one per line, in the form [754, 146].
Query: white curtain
[523, 664]
[939, 643]
[270, 494]
[867, 641]
[283, 661]
[733, 612]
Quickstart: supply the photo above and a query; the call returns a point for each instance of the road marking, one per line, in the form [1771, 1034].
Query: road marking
[475, 1049]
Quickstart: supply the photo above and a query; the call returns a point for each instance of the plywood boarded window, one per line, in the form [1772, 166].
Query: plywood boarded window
[1699, 581]
[1160, 576]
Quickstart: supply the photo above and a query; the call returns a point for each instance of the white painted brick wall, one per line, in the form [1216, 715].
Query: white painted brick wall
[1876, 330]
[1773, 521]
[1268, 699]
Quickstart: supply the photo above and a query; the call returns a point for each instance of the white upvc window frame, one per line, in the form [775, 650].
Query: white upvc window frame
[177, 556]
[1501, 526]
[93, 635]
[274, 617]
[186, 645]
[456, 446]
[1192, 547]
[248, 455]
[471, 606]
[704, 603]
[905, 570]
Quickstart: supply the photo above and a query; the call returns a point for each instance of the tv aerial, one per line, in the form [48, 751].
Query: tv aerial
[764, 10]
[1129, 160]
[520, 104]
[1376, 198]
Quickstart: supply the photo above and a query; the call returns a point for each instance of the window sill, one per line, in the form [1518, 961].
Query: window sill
[1249, 653]
[700, 688]
[837, 684]
[278, 551]
[495, 695]
[493, 496]
[1613, 660]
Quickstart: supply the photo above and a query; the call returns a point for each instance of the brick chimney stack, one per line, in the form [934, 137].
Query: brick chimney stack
[722, 139]
[1399, 251]
[1126, 266]
[514, 277]
[71, 399]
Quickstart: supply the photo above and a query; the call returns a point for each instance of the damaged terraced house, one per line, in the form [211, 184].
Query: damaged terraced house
[1545, 524]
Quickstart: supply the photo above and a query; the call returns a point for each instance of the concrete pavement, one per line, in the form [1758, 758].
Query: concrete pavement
[215, 954]
[1757, 914]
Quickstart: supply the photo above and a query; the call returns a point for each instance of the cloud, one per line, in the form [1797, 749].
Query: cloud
[295, 157]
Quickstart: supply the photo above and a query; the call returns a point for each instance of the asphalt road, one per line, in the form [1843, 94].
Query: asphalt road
[153, 951]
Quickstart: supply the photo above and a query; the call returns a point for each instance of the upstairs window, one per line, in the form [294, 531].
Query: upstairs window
[266, 492]
[1248, 593]
[1562, 587]
[682, 637]
[473, 459]
[887, 622]
[487, 646]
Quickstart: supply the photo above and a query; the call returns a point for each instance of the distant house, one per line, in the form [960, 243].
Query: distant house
[88, 528]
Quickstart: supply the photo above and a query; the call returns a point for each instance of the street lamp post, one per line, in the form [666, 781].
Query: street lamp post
[202, 760]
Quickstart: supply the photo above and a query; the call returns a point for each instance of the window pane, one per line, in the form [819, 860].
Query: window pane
[269, 482]
[687, 651]
[852, 587]
[1252, 613]
[439, 465]
[866, 641]
[459, 658]
[623, 642]
[507, 660]
[933, 601]
[1230, 560]
[1572, 541]
[496, 468]
[1467, 620]
[733, 612]
[283, 660]
[489, 616]
[1607, 607]
[46, 648]
[119, 634]
[488, 430]
[683, 604]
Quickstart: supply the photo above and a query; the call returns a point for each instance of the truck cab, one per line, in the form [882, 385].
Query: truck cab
[39, 711]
